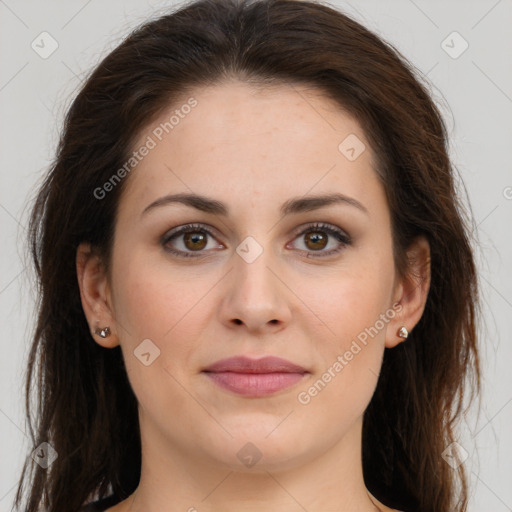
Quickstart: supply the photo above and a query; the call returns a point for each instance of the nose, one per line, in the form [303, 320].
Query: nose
[256, 298]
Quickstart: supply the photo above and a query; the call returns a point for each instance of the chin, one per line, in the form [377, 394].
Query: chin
[254, 451]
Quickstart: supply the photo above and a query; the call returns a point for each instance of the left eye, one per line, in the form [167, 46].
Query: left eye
[193, 238]
[317, 237]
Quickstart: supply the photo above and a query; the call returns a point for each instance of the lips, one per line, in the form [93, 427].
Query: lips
[255, 377]
[242, 364]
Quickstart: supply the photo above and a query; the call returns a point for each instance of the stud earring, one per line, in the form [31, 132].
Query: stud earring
[403, 332]
[102, 333]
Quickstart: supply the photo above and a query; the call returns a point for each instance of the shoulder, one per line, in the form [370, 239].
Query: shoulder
[384, 508]
[100, 505]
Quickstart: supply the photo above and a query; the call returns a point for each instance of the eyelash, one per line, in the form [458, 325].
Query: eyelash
[337, 233]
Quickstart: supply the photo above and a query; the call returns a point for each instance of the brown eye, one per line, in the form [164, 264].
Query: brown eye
[315, 240]
[195, 240]
[189, 239]
[321, 240]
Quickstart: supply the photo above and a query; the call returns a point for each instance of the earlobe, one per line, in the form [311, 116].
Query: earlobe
[412, 293]
[94, 294]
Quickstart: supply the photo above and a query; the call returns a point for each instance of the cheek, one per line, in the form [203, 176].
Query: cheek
[155, 301]
[351, 351]
[351, 299]
[149, 299]
[151, 303]
[351, 310]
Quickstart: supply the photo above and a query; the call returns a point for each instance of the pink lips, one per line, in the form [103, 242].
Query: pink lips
[255, 377]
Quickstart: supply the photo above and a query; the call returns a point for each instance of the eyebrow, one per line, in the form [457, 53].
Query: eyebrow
[292, 206]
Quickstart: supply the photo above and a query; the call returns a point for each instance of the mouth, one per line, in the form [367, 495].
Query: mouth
[255, 377]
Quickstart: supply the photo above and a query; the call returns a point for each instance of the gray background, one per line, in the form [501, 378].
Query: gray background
[474, 91]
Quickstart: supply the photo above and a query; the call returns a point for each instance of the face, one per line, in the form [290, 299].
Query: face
[264, 270]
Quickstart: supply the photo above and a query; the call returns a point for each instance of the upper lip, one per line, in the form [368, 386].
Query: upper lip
[243, 364]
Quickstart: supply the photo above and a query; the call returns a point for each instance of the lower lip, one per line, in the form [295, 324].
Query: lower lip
[255, 384]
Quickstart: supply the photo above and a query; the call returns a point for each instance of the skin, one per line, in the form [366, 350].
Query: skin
[252, 150]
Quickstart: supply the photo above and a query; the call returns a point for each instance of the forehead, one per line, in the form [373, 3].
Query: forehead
[234, 138]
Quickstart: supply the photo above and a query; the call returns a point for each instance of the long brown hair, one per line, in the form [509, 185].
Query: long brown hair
[86, 409]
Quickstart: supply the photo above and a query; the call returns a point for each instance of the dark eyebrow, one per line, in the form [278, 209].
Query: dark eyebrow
[307, 203]
[294, 205]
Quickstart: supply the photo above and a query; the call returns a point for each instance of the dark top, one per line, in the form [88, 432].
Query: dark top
[101, 505]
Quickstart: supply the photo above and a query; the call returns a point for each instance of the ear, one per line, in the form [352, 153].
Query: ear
[411, 291]
[95, 294]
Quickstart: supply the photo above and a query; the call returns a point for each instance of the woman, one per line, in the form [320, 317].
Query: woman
[258, 291]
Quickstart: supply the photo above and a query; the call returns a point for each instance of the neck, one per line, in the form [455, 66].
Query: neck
[175, 479]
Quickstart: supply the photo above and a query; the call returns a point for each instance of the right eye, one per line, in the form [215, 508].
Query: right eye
[191, 238]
